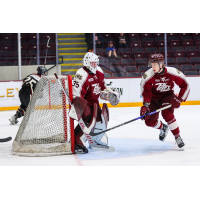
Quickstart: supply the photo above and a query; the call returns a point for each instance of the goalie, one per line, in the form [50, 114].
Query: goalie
[89, 84]
[25, 93]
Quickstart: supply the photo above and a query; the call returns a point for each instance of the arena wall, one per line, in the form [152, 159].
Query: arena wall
[128, 87]
[11, 72]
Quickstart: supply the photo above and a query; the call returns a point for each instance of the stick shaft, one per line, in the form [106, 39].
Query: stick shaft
[63, 88]
[94, 134]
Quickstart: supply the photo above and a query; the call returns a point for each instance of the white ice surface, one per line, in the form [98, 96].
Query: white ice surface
[187, 118]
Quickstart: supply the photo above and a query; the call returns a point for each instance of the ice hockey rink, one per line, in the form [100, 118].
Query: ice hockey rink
[135, 144]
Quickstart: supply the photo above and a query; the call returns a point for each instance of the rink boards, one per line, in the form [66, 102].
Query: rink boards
[129, 89]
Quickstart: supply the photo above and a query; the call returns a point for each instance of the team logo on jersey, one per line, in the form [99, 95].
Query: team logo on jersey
[144, 75]
[95, 77]
[164, 79]
[163, 87]
[178, 71]
[97, 89]
[78, 76]
[90, 79]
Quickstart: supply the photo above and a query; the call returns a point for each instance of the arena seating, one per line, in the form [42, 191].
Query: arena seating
[9, 48]
[183, 52]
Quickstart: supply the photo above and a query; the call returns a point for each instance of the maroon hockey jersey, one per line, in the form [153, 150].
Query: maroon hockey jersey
[88, 85]
[157, 86]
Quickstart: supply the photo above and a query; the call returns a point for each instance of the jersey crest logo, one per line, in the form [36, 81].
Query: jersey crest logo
[178, 71]
[78, 76]
[90, 79]
[163, 87]
[97, 89]
[163, 79]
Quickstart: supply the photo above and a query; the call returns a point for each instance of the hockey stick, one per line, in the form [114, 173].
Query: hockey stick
[46, 52]
[86, 130]
[94, 134]
[5, 139]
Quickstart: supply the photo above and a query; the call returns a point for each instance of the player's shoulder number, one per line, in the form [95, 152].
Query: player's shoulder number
[75, 84]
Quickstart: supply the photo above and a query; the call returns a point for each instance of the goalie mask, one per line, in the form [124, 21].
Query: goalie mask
[42, 71]
[91, 61]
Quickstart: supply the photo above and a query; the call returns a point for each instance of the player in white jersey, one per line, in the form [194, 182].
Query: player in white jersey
[89, 84]
[157, 89]
[25, 93]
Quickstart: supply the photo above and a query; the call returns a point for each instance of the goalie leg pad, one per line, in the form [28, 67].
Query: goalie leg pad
[102, 139]
[105, 113]
[87, 118]
[77, 108]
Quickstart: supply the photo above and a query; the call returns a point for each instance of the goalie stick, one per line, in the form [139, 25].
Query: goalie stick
[94, 134]
[5, 139]
[86, 130]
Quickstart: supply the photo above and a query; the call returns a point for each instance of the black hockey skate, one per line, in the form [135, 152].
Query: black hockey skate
[13, 120]
[163, 132]
[20, 113]
[179, 142]
[80, 149]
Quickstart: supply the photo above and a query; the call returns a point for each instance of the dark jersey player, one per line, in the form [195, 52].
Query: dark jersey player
[25, 93]
[157, 89]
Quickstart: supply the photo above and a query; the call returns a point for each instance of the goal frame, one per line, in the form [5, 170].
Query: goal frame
[60, 139]
[71, 120]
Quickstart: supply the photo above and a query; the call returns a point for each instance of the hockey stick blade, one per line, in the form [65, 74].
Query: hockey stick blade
[94, 134]
[5, 139]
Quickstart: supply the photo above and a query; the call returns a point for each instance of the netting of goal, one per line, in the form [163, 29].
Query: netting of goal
[46, 128]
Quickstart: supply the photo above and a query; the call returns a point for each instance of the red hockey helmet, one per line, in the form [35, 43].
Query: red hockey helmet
[156, 58]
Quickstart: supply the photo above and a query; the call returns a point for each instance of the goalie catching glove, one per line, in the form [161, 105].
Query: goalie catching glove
[113, 96]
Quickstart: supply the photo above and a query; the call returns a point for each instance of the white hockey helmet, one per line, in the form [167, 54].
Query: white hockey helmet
[91, 61]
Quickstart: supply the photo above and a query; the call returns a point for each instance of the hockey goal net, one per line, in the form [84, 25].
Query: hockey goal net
[46, 128]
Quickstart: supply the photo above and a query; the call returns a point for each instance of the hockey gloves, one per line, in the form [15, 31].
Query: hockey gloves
[113, 96]
[144, 110]
[176, 102]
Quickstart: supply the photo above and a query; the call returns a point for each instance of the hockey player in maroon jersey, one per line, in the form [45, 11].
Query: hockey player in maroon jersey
[157, 89]
[25, 93]
[89, 84]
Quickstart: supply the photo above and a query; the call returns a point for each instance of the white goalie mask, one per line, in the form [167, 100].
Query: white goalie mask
[91, 61]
